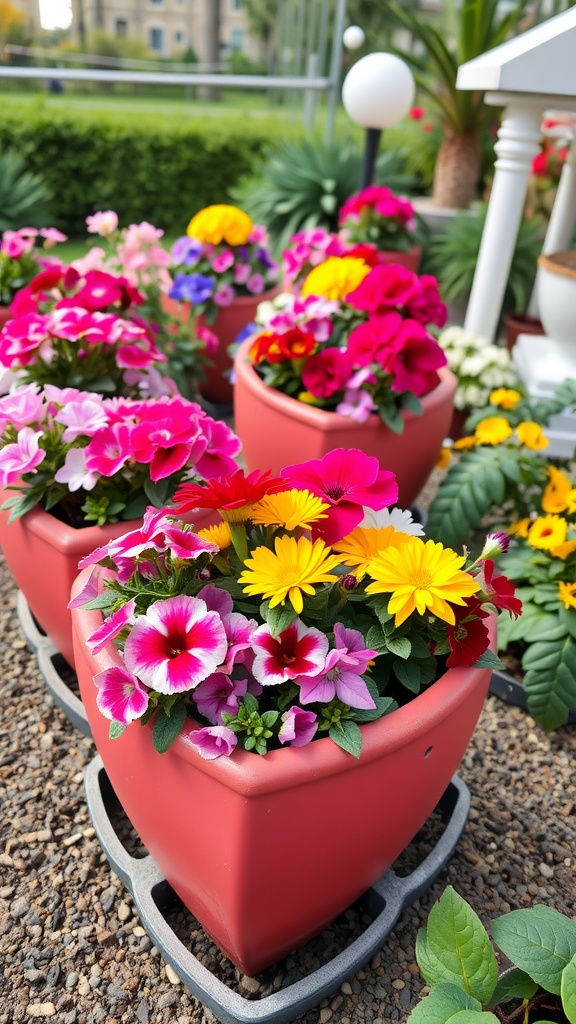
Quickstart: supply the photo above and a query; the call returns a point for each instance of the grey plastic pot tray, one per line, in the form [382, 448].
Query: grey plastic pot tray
[384, 901]
[511, 691]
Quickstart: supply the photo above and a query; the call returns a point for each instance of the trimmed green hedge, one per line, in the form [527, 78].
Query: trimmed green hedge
[157, 169]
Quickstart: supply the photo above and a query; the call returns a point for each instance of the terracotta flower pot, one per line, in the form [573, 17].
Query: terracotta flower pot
[520, 323]
[265, 851]
[410, 259]
[217, 386]
[277, 430]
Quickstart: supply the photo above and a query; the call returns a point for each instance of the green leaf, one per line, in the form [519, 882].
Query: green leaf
[458, 947]
[375, 640]
[250, 703]
[384, 705]
[550, 680]
[105, 600]
[539, 940]
[568, 990]
[416, 673]
[279, 617]
[488, 660]
[399, 645]
[116, 729]
[167, 726]
[514, 984]
[347, 736]
[439, 1007]
[471, 487]
[158, 493]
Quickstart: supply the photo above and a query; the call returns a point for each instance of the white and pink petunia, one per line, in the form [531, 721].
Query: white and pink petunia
[110, 629]
[298, 727]
[74, 473]
[176, 645]
[83, 416]
[21, 457]
[296, 651]
[121, 697]
[342, 673]
[214, 741]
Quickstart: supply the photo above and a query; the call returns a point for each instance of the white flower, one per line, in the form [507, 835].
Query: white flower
[74, 472]
[472, 366]
[400, 518]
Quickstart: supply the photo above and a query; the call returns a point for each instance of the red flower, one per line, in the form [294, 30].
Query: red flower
[388, 286]
[229, 493]
[416, 113]
[416, 358]
[326, 372]
[468, 637]
[499, 590]
[296, 343]
[540, 164]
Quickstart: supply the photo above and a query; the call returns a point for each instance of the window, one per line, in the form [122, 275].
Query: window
[179, 37]
[236, 40]
[156, 39]
[236, 5]
[121, 27]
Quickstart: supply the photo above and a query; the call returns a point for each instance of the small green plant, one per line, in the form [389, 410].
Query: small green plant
[24, 196]
[456, 957]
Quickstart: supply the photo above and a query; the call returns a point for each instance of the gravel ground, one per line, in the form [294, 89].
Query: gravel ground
[72, 948]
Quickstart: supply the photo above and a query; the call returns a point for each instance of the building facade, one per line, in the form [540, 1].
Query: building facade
[30, 10]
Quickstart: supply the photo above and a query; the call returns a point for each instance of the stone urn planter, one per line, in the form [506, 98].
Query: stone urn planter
[556, 286]
[277, 430]
[265, 851]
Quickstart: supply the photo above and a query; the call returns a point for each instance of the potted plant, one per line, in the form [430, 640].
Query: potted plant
[275, 669]
[480, 368]
[379, 217]
[348, 361]
[456, 956]
[222, 268]
[22, 256]
[77, 469]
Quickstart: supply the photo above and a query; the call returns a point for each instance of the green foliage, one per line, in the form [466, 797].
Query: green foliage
[84, 157]
[457, 959]
[454, 254]
[25, 197]
[304, 184]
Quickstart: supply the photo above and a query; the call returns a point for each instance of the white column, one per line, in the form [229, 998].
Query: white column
[518, 143]
[562, 219]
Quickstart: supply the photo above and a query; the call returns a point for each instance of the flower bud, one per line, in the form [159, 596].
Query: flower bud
[349, 582]
[496, 544]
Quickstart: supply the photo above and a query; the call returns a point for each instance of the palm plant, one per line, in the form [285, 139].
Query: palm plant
[304, 184]
[470, 28]
[24, 195]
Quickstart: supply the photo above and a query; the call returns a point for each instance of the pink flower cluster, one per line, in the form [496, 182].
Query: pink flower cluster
[15, 243]
[136, 253]
[381, 201]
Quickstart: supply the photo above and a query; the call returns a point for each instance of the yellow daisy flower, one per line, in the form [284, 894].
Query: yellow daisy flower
[547, 532]
[520, 527]
[563, 550]
[294, 566]
[336, 277]
[571, 499]
[291, 509]
[557, 491]
[465, 442]
[360, 546]
[444, 458]
[221, 223]
[531, 435]
[492, 430]
[506, 398]
[421, 575]
[567, 594]
[218, 534]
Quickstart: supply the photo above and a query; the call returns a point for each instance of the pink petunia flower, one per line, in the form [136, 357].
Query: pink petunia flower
[223, 261]
[298, 727]
[346, 479]
[176, 645]
[342, 673]
[326, 372]
[121, 697]
[84, 416]
[387, 286]
[214, 741]
[297, 650]
[110, 629]
[255, 284]
[23, 407]
[102, 223]
[21, 457]
[224, 295]
[109, 450]
[217, 694]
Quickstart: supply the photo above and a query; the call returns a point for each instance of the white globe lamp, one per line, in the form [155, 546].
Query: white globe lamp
[377, 93]
[353, 37]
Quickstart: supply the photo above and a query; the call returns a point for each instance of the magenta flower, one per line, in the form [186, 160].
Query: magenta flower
[342, 673]
[110, 629]
[121, 697]
[74, 473]
[241, 272]
[223, 261]
[21, 457]
[347, 479]
[326, 372]
[414, 359]
[217, 694]
[387, 286]
[298, 727]
[224, 295]
[426, 304]
[297, 650]
[358, 405]
[89, 591]
[372, 341]
[176, 645]
[109, 450]
[222, 447]
[255, 284]
[213, 742]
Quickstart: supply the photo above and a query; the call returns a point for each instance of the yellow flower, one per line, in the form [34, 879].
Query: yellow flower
[421, 575]
[360, 546]
[220, 223]
[563, 550]
[530, 434]
[571, 499]
[547, 532]
[465, 442]
[336, 277]
[492, 430]
[556, 494]
[294, 566]
[567, 594]
[505, 397]
[309, 398]
[218, 534]
[520, 527]
[291, 509]
[444, 458]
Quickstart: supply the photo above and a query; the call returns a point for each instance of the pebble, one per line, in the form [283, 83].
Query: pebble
[171, 975]
[41, 1009]
[123, 911]
[546, 870]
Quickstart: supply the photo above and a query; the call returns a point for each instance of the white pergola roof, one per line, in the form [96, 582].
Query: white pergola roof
[541, 60]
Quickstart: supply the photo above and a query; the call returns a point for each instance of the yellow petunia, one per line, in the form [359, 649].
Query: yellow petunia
[221, 223]
[360, 546]
[557, 491]
[290, 509]
[218, 534]
[506, 398]
[421, 575]
[520, 527]
[444, 458]
[292, 568]
[567, 594]
[492, 430]
[563, 550]
[547, 532]
[531, 435]
[336, 277]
